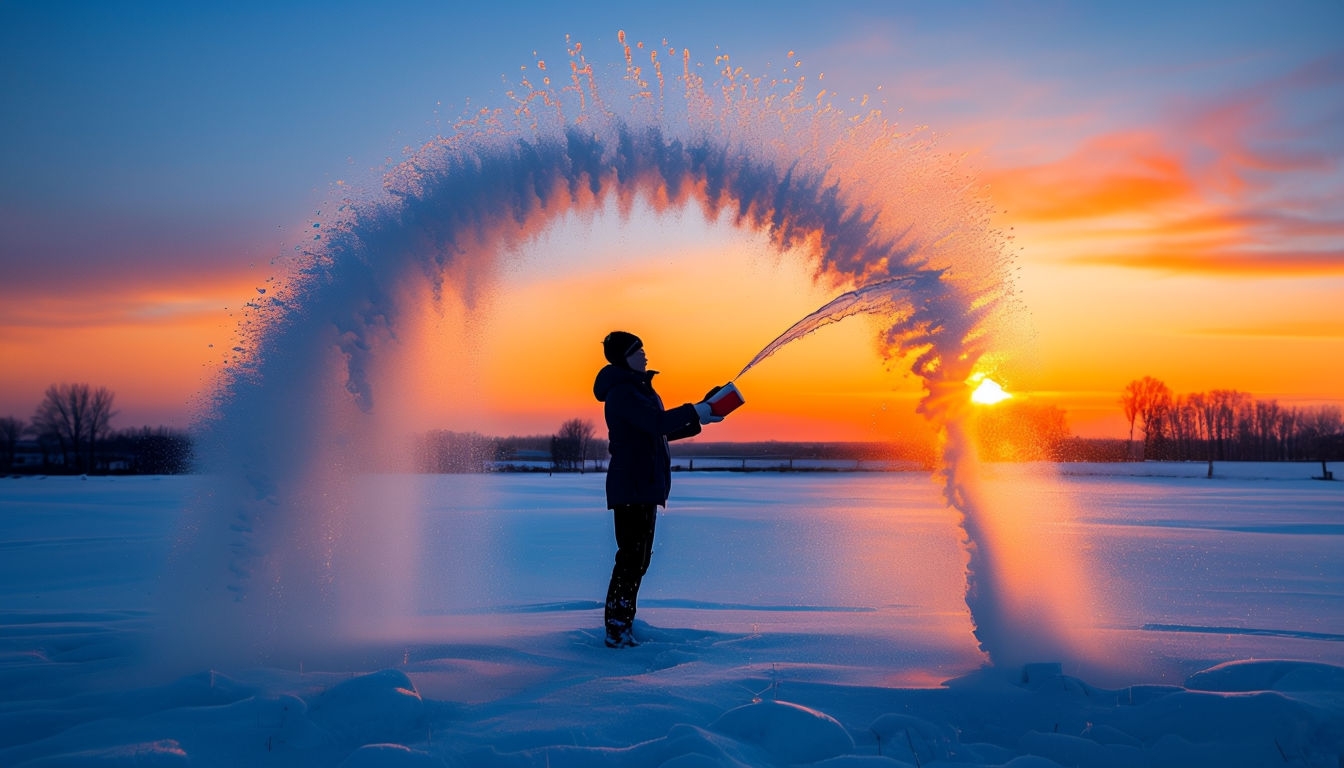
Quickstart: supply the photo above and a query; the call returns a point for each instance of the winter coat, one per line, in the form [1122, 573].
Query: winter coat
[640, 471]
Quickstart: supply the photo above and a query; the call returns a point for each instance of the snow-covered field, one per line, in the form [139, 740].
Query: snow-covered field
[788, 619]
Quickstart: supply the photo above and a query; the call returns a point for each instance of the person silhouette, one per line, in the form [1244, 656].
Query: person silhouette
[639, 473]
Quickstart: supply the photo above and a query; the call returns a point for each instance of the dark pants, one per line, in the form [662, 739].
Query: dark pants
[634, 547]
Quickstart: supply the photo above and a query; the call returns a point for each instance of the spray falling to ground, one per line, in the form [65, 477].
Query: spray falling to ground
[281, 541]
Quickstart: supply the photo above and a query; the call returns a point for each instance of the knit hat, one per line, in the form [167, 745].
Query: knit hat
[619, 345]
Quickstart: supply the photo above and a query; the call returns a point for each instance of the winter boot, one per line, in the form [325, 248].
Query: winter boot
[620, 638]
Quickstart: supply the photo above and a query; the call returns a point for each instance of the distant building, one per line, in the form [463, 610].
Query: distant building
[29, 457]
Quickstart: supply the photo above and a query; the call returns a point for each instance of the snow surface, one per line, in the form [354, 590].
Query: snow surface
[788, 619]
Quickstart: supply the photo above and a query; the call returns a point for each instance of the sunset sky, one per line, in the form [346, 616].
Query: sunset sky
[1172, 175]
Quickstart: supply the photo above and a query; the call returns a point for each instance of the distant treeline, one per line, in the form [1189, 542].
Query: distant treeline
[70, 433]
[443, 451]
[807, 450]
[1227, 425]
[143, 451]
[468, 452]
[1065, 449]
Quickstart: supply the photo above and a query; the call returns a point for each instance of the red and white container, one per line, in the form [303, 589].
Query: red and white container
[726, 400]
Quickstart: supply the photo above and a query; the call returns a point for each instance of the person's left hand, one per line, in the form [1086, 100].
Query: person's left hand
[706, 414]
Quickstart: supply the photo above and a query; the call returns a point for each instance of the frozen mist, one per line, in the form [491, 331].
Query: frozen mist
[283, 538]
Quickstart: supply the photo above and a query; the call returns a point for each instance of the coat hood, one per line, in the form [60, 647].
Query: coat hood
[611, 376]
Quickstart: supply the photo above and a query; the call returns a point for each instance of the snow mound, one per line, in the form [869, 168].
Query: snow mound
[790, 733]
[375, 708]
[912, 739]
[1247, 676]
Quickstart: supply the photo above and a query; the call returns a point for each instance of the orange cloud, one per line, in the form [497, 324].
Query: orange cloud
[1116, 174]
[1227, 263]
[1240, 185]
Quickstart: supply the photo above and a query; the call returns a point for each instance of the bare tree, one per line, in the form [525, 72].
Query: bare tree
[1148, 400]
[1204, 409]
[1129, 400]
[1183, 425]
[1264, 423]
[1290, 421]
[572, 444]
[1325, 420]
[1228, 405]
[77, 417]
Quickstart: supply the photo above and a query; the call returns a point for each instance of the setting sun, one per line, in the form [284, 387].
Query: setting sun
[988, 392]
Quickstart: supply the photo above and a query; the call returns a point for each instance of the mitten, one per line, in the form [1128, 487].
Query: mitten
[706, 415]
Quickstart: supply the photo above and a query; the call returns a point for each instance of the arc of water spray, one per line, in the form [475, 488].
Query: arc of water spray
[280, 544]
[880, 297]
